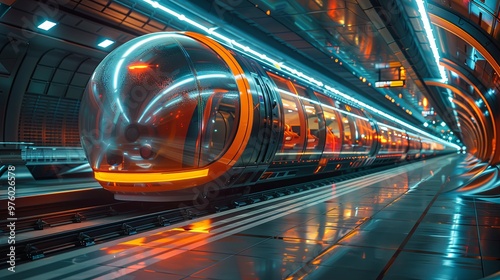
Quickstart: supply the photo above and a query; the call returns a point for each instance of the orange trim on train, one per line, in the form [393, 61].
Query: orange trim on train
[143, 177]
[246, 113]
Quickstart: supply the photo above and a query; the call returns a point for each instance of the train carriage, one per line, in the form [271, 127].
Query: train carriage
[168, 112]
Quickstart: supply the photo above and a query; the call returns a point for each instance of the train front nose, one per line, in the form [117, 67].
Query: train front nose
[163, 102]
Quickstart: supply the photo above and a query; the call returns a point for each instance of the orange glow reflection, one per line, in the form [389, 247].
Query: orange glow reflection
[347, 213]
[135, 242]
[425, 103]
[201, 226]
[115, 251]
[125, 246]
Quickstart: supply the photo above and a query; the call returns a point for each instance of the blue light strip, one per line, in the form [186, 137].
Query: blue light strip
[435, 51]
[430, 37]
[290, 71]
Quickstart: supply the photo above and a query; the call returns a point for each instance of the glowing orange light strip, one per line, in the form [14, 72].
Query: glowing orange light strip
[139, 66]
[148, 177]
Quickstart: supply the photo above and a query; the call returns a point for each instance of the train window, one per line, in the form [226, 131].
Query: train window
[384, 139]
[219, 125]
[362, 131]
[405, 143]
[294, 121]
[165, 105]
[333, 127]
[414, 143]
[418, 144]
[219, 101]
[401, 141]
[314, 146]
[349, 126]
[392, 141]
[426, 146]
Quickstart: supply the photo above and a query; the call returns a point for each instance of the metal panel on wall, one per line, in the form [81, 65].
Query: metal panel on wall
[49, 121]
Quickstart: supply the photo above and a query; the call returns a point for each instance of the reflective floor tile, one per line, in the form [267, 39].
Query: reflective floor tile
[147, 274]
[288, 250]
[405, 207]
[454, 202]
[446, 246]
[352, 211]
[318, 209]
[187, 263]
[456, 218]
[232, 244]
[464, 211]
[341, 273]
[374, 239]
[447, 230]
[397, 215]
[347, 262]
[315, 233]
[406, 201]
[384, 225]
[421, 194]
[296, 218]
[269, 229]
[409, 265]
[337, 221]
[244, 267]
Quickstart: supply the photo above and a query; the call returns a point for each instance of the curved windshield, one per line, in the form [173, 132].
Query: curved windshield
[163, 101]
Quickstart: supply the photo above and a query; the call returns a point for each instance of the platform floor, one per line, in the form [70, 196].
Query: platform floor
[403, 223]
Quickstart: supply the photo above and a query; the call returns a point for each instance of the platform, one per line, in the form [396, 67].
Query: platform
[402, 223]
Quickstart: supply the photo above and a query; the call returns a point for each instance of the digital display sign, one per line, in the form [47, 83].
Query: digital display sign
[391, 77]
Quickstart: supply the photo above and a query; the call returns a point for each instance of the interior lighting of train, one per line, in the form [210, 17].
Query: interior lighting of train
[291, 71]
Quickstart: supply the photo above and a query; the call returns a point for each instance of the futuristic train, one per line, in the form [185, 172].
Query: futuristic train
[170, 112]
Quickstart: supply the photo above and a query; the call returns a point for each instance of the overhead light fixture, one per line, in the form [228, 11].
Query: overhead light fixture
[46, 25]
[106, 43]
[430, 36]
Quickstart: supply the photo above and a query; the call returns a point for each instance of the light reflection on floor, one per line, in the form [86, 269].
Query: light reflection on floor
[400, 227]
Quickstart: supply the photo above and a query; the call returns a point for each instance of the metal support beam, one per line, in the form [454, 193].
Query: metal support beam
[488, 129]
[467, 31]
